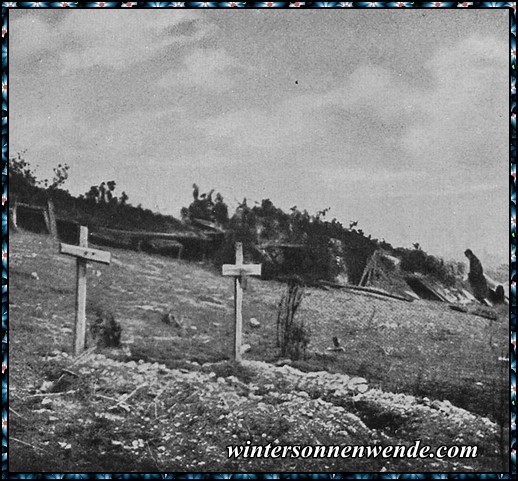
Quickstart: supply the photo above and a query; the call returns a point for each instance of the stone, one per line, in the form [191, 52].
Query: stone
[170, 319]
[254, 323]
[47, 386]
[282, 362]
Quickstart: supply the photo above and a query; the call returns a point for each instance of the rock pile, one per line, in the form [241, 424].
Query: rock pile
[185, 415]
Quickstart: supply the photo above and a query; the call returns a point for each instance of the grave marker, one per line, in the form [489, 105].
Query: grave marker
[83, 255]
[239, 271]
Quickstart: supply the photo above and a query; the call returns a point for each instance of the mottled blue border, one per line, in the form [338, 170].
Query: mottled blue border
[512, 210]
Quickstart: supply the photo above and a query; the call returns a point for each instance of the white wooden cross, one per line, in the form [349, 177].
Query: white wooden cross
[83, 255]
[239, 271]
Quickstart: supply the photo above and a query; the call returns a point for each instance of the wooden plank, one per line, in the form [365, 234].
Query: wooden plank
[80, 324]
[53, 230]
[468, 295]
[269, 245]
[46, 220]
[13, 218]
[241, 270]
[85, 253]
[30, 206]
[205, 223]
[238, 306]
[202, 236]
[367, 290]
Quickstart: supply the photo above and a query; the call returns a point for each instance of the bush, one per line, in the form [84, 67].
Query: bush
[417, 260]
[292, 334]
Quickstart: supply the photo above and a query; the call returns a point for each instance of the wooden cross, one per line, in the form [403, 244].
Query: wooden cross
[239, 271]
[83, 255]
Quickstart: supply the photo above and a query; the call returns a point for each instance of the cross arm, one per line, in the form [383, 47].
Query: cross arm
[92, 255]
[237, 270]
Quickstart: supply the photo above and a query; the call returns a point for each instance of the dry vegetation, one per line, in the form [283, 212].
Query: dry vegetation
[170, 399]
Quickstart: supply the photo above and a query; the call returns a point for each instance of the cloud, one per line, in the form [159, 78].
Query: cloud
[359, 113]
[29, 35]
[117, 39]
[463, 127]
[444, 127]
[211, 68]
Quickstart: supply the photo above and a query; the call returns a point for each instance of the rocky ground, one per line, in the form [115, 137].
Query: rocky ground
[183, 419]
[170, 399]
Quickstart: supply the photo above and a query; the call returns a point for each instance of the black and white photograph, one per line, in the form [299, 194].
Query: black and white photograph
[258, 240]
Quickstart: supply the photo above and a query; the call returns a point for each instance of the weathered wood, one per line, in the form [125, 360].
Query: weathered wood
[366, 290]
[201, 236]
[80, 324]
[283, 245]
[239, 271]
[46, 220]
[238, 305]
[210, 225]
[30, 206]
[51, 216]
[85, 253]
[14, 216]
[238, 308]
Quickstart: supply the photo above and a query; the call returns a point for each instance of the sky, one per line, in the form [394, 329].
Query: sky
[397, 119]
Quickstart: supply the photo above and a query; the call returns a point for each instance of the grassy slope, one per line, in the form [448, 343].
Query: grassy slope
[419, 348]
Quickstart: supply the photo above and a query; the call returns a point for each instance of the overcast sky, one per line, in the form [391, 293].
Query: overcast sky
[395, 118]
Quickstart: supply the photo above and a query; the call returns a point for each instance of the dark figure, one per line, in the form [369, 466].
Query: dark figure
[476, 277]
[498, 295]
[102, 190]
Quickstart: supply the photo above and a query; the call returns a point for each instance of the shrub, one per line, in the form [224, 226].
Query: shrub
[292, 334]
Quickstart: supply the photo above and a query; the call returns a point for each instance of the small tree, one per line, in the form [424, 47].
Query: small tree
[94, 194]
[220, 210]
[23, 182]
[109, 194]
[60, 177]
[203, 207]
[292, 334]
[123, 198]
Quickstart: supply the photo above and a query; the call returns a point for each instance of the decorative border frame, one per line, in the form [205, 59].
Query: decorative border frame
[512, 237]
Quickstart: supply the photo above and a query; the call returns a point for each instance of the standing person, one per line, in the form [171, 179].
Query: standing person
[476, 277]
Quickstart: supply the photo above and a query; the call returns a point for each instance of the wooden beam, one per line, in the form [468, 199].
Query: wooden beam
[46, 220]
[201, 236]
[30, 206]
[85, 253]
[366, 290]
[53, 230]
[241, 270]
[80, 324]
[13, 216]
[238, 305]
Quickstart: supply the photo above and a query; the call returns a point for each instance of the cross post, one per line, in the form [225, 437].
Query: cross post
[83, 255]
[239, 271]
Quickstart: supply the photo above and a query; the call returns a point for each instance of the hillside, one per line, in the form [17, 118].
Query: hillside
[170, 400]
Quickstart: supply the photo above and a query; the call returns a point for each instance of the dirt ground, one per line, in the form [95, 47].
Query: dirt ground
[171, 400]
